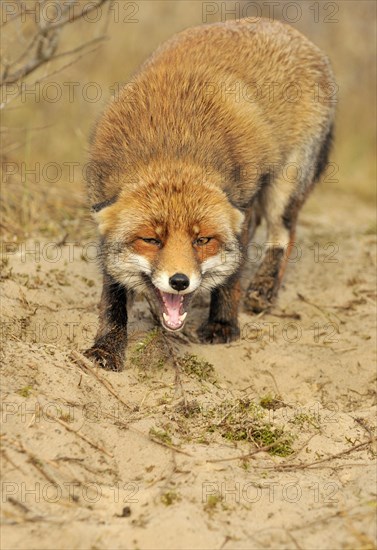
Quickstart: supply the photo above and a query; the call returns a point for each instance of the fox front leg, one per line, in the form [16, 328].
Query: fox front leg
[108, 350]
[222, 325]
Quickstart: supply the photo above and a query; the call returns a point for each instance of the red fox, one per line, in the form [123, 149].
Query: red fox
[224, 124]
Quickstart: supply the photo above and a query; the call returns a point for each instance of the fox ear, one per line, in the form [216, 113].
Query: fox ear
[237, 220]
[104, 214]
[97, 207]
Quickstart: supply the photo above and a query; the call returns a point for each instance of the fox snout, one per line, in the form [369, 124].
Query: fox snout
[177, 269]
[174, 294]
[179, 281]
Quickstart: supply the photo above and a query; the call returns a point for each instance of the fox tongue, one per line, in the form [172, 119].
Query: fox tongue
[172, 303]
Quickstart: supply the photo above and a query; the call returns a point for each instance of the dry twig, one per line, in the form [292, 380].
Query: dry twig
[43, 45]
[87, 366]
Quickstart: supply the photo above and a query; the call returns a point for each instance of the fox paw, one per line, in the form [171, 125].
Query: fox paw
[105, 358]
[213, 332]
[260, 298]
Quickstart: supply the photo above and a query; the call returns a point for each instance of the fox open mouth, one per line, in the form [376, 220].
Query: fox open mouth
[173, 309]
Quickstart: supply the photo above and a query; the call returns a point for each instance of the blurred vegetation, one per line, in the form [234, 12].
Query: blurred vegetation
[36, 130]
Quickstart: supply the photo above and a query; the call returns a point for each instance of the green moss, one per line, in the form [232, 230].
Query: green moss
[25, 391]
[212, 503]
[161, 435]
[147, 340]
[203, 440]
[170, 497]
[272, 435]
[246, 423]
[270, 402]
[303, 420]
[199, 368]
[245, 465]
[188, 409]
[164, 400]
[150, 353]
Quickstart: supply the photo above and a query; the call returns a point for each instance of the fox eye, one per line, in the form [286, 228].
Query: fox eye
[155, 242]
[201, 241]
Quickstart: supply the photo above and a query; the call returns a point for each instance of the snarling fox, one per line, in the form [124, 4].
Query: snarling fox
[225, 124]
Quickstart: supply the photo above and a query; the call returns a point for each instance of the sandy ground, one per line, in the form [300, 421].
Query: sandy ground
[167, 453]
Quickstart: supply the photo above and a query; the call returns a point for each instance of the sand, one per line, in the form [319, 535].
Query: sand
[167, 454]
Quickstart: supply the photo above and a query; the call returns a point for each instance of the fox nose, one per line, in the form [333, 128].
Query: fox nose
[179, 281]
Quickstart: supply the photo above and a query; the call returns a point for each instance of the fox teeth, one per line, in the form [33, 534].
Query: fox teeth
[167, 320]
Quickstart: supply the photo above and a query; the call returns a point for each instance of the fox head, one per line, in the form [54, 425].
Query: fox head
[170, 240]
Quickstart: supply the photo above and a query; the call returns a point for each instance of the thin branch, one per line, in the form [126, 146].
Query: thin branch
[58, 25]
[46, 47]
[288, 467]
[248, 455]
[46, 42]
[79, 48]
[63, 67]
[24, 53]
[49, 75]
[79, 434]
[305, 465]
[166, 445]
[87, 366]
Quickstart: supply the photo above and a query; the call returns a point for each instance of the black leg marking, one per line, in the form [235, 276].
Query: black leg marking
[108, 350]
[323, 157]
[222, 325]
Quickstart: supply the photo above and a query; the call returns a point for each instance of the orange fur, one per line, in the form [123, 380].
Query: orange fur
[222, 125]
